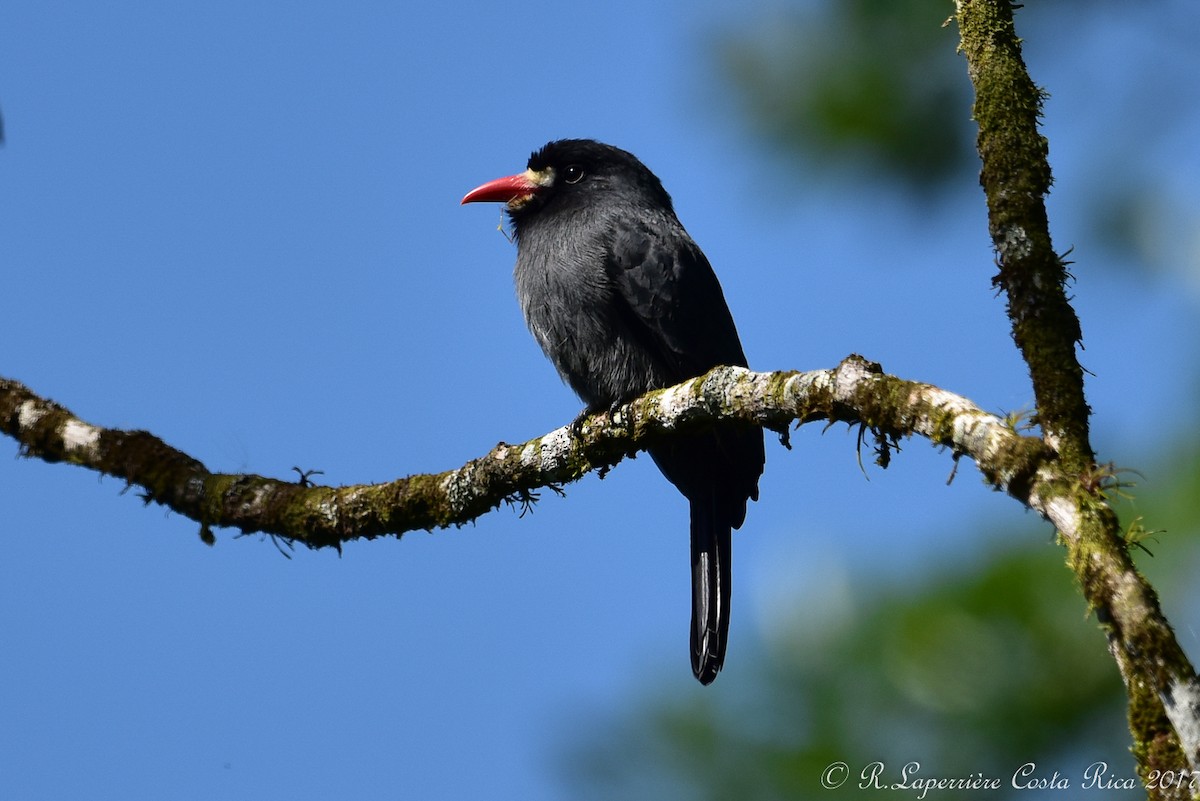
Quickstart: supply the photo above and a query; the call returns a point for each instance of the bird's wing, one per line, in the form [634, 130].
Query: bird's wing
[674, 301]
[674, 306]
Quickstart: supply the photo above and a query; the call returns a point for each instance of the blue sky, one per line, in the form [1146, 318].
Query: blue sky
[239, 228]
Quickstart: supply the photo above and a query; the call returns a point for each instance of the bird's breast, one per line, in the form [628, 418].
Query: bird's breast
[575, 314]
[566, 301]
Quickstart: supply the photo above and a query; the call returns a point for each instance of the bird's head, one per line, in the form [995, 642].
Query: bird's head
[573, 173]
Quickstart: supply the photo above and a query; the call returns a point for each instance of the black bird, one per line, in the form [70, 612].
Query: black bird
[623, 301]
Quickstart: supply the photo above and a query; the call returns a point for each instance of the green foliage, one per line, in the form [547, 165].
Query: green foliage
[864, 82]
[965, 671]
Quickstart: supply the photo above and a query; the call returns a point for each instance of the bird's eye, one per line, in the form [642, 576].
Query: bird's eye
[573, 174]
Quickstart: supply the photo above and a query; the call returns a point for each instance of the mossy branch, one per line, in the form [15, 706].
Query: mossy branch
[1015, 177]
[856, 392]
[1164, 697]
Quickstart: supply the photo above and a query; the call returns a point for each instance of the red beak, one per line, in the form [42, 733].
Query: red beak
[502, 190]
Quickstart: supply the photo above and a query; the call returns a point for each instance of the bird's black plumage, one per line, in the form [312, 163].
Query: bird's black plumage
[622, 301]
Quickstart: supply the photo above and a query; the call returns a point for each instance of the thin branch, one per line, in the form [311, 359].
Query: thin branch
[855, 392]
[1016, 178]
[1164, 696]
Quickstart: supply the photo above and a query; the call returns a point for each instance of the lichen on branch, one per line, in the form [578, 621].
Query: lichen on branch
[1164, 695]
[855, 392]
[1015, 176]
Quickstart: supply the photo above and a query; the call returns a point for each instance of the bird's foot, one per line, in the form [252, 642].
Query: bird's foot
[576, 427]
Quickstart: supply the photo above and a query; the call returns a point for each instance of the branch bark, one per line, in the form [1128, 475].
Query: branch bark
[856, 392]
[1164, 696]
[1016, 178]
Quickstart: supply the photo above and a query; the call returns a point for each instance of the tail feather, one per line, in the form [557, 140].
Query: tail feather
[717, 472]
[711, 549]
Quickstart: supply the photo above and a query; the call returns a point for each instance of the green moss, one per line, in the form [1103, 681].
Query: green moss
[1016, 177]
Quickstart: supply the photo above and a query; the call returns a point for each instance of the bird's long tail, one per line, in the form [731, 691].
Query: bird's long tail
[711, 549]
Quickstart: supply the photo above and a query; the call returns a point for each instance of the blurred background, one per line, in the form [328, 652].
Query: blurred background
[237, 226]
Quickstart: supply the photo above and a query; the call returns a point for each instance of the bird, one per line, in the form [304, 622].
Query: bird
[622, 301]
